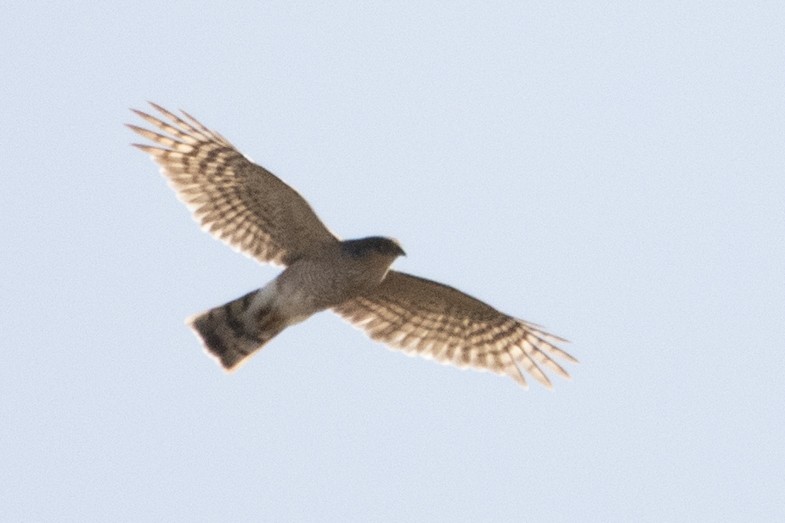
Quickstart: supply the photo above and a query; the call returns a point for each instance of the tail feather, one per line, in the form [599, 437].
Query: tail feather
[234, 331]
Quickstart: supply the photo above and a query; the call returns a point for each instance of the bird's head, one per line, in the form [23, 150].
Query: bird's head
[377, 245]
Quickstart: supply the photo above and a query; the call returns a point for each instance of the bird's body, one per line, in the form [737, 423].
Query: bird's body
[255, 212]
[335, 274]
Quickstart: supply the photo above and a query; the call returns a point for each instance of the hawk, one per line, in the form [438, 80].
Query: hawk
[255, 212]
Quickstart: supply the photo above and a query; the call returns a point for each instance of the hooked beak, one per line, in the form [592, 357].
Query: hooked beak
[401, 252]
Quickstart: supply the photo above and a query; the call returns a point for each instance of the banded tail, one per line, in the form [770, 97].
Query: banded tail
[234, 331]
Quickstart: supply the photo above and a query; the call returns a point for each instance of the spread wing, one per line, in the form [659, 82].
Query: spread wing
[435, 321]
[236, 200]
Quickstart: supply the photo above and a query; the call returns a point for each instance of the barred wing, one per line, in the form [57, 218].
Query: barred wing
[425, 318]
[236, 200]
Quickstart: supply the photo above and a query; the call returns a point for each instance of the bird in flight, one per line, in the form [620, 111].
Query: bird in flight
[256, 213]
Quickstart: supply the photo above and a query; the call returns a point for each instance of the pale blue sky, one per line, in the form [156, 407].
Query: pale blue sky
[614, 171]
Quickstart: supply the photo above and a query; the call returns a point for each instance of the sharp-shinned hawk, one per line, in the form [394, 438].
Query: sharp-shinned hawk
[256, 213]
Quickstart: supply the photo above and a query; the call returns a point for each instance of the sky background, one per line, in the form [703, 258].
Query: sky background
[612, 170]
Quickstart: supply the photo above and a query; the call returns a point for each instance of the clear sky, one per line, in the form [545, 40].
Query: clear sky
[612, 170]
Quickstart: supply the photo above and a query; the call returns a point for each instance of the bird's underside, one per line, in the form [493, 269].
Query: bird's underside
[256, 213]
